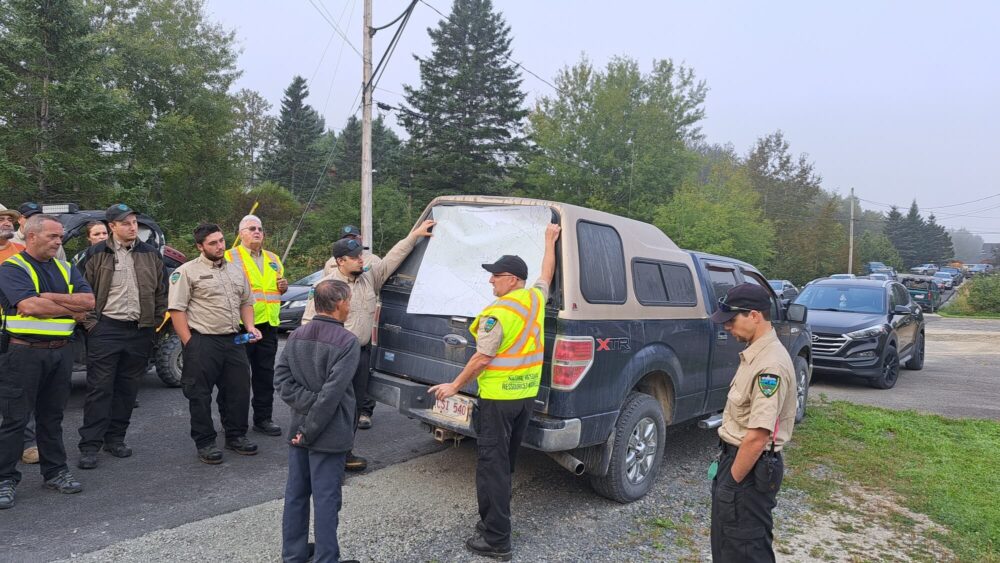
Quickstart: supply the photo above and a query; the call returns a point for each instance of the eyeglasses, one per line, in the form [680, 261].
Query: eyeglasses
[254, 229]
[727, 308]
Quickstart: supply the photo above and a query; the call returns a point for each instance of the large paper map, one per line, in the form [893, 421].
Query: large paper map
[451, 279]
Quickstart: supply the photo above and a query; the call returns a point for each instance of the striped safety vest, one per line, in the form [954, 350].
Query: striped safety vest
[263, 285]
[516, 370]
[22, 324]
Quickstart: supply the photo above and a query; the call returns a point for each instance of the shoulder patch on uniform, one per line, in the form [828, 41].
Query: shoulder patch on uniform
[768, 384]
[174, 277]
[489, 323]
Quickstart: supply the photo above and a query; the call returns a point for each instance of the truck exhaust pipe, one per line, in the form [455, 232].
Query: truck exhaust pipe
[574, 465]
[711, 422]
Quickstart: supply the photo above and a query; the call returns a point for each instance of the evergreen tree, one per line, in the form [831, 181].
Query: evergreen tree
[939, 245]
[297, 161]
[254, 133]
[386, 151]
[465, 120]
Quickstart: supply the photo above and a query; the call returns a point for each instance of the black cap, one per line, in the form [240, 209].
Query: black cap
[349, 231]
[744, 297]
[508, 264]
[29, 208]
[118, 212]
[347, 247]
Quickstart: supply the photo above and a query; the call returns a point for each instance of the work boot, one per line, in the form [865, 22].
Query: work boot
[7, 494]
[242, 446]
[64, 482]
[355, 463]
[30, 455]
[88, 460]
[480, 527]
[478, 545]
[364, 422]
[118, 449]
[267, 427]
[211, 455]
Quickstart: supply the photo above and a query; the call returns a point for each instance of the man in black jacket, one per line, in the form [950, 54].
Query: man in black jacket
[314, 376]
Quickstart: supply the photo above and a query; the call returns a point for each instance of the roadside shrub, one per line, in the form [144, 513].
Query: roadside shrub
[984, 294]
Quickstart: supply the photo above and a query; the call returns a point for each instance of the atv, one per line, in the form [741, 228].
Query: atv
[166, 355]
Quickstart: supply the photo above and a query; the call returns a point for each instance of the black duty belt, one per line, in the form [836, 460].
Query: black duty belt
[44, 344]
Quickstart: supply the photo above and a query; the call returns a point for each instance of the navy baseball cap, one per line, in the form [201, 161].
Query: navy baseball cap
[508, 264]
[347, 247]
[349, 231]
[118, 212]
[29, 208]
[742, 298]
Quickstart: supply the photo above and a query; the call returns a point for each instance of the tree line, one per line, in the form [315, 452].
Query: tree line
[130, 100]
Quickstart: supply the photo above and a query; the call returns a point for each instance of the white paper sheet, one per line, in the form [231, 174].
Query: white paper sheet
[451, 279]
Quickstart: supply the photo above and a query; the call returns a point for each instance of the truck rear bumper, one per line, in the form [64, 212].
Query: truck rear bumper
[411, 398]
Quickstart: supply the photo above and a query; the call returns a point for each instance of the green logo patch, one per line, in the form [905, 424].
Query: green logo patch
[768, 384]
[174, 277]
[490, 323]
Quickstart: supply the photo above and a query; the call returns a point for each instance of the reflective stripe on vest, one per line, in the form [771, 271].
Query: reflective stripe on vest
[24, 324]
[516, 370]
[263, 284]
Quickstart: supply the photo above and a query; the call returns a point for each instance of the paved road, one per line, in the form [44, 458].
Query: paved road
[163, 485]
[961, 375]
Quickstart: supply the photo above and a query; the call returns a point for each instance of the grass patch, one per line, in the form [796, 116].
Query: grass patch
[962, 306]
[941, 467]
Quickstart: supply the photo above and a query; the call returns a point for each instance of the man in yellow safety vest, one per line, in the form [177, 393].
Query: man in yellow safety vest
[510, 344]
[266, 275]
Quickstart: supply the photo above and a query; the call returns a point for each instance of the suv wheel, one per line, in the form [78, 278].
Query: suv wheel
[890, 370]
[170, 360]
[802, 377]
[637, 451]
[916, 361]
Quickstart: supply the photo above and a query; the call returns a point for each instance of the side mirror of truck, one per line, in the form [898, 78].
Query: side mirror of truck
[797, 313]
[901, 310]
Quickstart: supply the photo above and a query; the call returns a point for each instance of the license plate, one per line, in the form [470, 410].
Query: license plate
[458, 408]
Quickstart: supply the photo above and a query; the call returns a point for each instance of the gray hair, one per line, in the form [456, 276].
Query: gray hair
[250, 219]
[328, 293]
[35, 222]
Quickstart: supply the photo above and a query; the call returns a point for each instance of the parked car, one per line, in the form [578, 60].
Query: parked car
[924, 291]
[872, 267]
[889, 273]
[629, 346]
[784, 289]
[956, 274]
[945, 280]
[864, 328]
[980, 269]
[842, 276]
[293, 301]
[881, 277]
[924, 270]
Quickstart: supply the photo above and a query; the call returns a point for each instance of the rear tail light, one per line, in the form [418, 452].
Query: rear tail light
[378, 313]
[571, 360]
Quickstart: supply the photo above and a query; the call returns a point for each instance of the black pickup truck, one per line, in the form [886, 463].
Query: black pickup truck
[629, 347]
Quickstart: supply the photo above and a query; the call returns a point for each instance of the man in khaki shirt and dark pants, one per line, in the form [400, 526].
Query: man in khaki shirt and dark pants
[756, 424]
[208, 299]
[130, 291]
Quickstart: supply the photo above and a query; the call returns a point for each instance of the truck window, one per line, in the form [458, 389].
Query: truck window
[680, 284]
[602, 263]
[722, 279]
[661, 283]
[752, 277]
[649, 286]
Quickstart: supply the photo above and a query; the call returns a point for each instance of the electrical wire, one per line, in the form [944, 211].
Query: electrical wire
[335, 28]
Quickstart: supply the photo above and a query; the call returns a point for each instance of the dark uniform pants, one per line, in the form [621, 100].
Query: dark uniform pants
[117, 357]
[318, 475]
[742, 527]
[33, 379]
[216, 361]
[261, 355]
[364, 405]
[500, 427]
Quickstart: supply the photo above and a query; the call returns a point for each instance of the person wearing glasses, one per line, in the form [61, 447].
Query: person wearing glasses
[756, 424]
[364, 285]
[266, 274]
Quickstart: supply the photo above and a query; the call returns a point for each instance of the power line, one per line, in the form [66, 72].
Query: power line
[335, 28]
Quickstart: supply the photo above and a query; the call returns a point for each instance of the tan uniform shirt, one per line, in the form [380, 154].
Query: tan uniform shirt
[123, 295]
[364, 290]
[211, 294]
[488, 341]
[762, 394]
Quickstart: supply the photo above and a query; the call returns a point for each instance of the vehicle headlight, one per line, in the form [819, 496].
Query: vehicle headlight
[299, 304]
[869, 332]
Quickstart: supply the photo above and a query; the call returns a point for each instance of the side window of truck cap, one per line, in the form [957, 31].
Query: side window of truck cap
[602, 263]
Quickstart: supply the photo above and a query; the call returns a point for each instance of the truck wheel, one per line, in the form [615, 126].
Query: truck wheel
[802, 380]
[169, 360]
[916, 361]
[890, 370]
[637, 451]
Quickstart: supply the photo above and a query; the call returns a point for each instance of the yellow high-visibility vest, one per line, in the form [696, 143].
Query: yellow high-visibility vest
[263, 284]
[35, 326]
[516, 370]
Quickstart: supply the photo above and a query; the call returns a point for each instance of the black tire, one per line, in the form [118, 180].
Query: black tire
[916, 361]
[170, 360]
[890, 370]
[803, 377]
[632, 473]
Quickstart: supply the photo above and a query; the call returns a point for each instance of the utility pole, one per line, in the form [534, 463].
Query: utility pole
[850, 244]
[366, 129]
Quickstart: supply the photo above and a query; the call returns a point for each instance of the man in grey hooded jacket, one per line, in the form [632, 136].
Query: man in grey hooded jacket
[314, 377]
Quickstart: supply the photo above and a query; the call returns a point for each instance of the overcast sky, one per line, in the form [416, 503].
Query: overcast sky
[896, 99]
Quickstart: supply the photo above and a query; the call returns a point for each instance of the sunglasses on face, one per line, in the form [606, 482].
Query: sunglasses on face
[727, 308]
